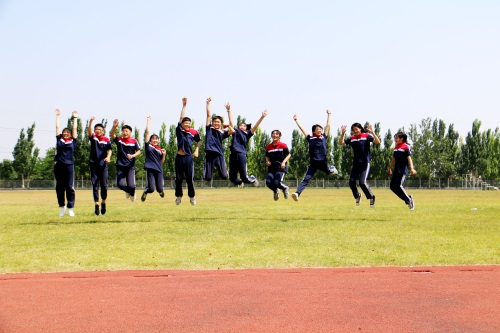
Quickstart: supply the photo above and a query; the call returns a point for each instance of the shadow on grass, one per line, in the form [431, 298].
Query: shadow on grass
[196, 220]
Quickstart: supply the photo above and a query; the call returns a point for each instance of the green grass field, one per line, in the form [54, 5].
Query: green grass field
[245, 228]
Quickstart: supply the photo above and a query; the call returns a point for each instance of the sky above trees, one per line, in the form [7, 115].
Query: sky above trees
[393, 62]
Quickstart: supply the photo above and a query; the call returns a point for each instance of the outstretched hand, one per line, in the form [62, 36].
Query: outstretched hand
[184, 101]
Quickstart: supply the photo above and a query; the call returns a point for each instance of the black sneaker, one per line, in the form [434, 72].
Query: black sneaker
[358, 199]
[372, 202]
[162, 194]
[103, 208]
[96, 210]
[143, 196]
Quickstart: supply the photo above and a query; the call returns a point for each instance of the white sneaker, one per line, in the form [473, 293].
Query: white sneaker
[333, 170]
[127, 195]
[62, 210]
[178, 201]
[132, 198]
[192, 201]
[256, 182]
[71, 212]
[295, 196]
[277, 194]
[286, 193]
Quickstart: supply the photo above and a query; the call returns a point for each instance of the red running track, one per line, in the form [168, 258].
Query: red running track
[392, 299]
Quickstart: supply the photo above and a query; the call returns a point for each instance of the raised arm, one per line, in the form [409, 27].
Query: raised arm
[209, 114]
[112, 134]
[298, 124]
[376, 140]
[89, 129]
[229, 114]
[327, 126]
[183, 111]
[58, 126]
[146, 134]
[74, 130]
[256, 125]
[343, 128]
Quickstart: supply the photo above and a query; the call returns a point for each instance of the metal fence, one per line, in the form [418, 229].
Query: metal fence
[319, 183]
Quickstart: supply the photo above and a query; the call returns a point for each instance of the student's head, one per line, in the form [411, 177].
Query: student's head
[317, 129]
[400, 137]
[186, 123]
[98, 129]
[276, 135]
[126, 131]
[357, 129]
[66, 133]
[244, 127]
[154, 139]
[217, 122]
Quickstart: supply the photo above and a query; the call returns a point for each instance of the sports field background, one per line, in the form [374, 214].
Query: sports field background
[245, 228]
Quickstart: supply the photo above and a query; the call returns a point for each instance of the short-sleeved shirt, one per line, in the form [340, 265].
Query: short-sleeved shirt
[401, 153]
[124, 147]
[276, 154]
[361, 147]
[65, 150]
[153, 157]
[99, 147]
[213, 139]
[240, 141]
[185, 139]
[317, 147]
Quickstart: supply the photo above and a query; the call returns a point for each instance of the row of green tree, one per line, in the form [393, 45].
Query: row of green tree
[438, 153]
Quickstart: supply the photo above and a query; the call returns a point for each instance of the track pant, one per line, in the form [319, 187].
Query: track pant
[65, 180]
[99, 177]
[397, 186]
[274, 180]
[184, 167]
[360, 171]
[238, 164]
[155, 181]
[214, 160]
[311, 170]
[125, 179]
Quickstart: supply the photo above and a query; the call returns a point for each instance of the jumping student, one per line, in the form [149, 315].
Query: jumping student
[214, 153]
[184, 164]
[402, 160]
[317, 153]
[277, 156]
[64, 168]
[238, 157]
[100, 156]
[127, 150]
[155, 158]
[360, 143]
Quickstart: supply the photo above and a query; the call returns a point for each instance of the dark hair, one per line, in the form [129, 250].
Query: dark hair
[358, 125]
[185, 119]
[402, 136]
[127, 127]
[316, 126]
[98, 125]
[249, 126]
[218, 117]
[66, 129]
[276, 131]
[153, 136]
